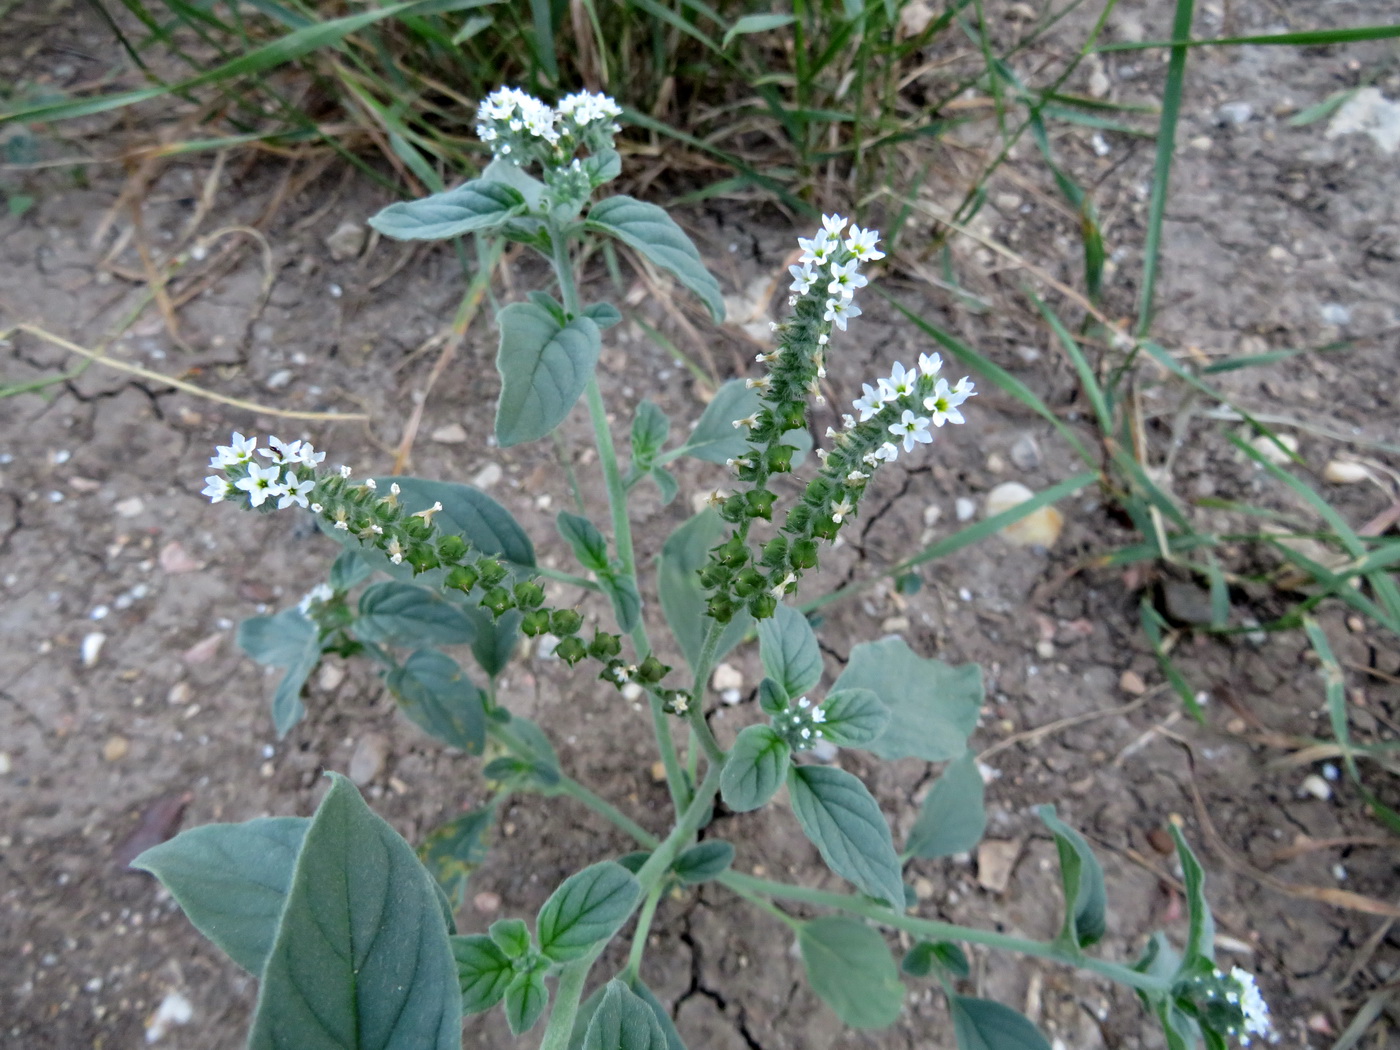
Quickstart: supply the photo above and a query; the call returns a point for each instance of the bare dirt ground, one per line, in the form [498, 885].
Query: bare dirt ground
[1277, 237]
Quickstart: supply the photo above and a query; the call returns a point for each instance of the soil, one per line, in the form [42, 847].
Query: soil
[1277, 237]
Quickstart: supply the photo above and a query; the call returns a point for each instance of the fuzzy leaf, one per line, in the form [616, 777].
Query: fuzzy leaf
[854, 717]
[474, 206]
[953, 816]
[397, 613]
[754, 770]
[438, 697]
[452, 851]
[590, 548]
[1086, 901]
[842, 819]
[981, 1024]
[788, 647]
[655, 234]
[682, 600]
[288, 640]
[588, 907]
[544, 368]
[526, 998]
[623, 1020]
[483, 972]
[851, 969]
[704, 861]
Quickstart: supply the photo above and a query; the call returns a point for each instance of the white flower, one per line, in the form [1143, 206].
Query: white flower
[344, 471]
[930, 364]
[292, 490]
[395, 551]
[840, 510]
[848, 421]
[259, 482]
[318, 594]
[816, 249]
[832, 225]
[584, 107]
[855, 477]
[1256, 1010]
[900, 383]
[861, 244]
[845, 279]
[803, 277]
[308, 456]
[944, 401]
[218, 488]
[281, 451]
[239, 450]
[839, 311]
[868, 404]
[887, 452]
[913, 429]
[818, 715]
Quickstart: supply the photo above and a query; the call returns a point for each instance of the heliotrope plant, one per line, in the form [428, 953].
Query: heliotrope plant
[350, 931]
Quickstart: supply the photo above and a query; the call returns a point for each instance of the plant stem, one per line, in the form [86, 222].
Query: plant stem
[566, 998]
[605, 809]
[696, 714]
[639, 937]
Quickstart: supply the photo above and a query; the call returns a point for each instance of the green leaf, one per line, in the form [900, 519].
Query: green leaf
[788, 647]
[1086, 901]
[475, 206]
[953, 816]
[851, 969]
[844, 822]
[704, 861]
[603, 166]
[512, 936]
[755, 768]
[626, 602]
[232, 881]
[715, 438]
[650, 429]
[526, 998]
[541, 752]
[544, 368]
[604, 315]
[589, 1007]
[511, 174]
[1200, 937]
[332, 980]
[772, 697]
[438, 697]
[590, 548]
[682, 599]
[624, 1020]
[933, 707]
[981, 1024]
[854, 717]
[666, 483]
[755, 24]
[920, 960]
[349, 570]
[452, 851]
[496, 637]
[288, 640]
[483, 972]
[397, 613]
[588, 907]
[652, 232]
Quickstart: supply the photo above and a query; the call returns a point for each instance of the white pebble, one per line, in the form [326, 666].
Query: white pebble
[99, 612]
[1315, 786]
[92, 647]
[174, 1009]
[965, 508]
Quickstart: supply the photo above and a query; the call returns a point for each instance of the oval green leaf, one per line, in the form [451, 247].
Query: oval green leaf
[589, 546]
[655, 234]
[1086, 900]
[526, 998]
[588, 907]
[623, 1020]
[452, 851]
[981, 1024]
[288, 640]
[474, 206]
[396, 613]
[754, 770]
[704, 861]
[483, 972]
[854, 717]
[682, 600]
[544, 369]
[788, 647]
[842, 819]
[850, 967]
[953, 815]
[437, 696]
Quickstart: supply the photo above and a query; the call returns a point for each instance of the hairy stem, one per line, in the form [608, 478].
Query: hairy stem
[639, 936]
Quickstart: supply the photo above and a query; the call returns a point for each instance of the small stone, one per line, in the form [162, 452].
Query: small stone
[1099, 84]
[174, 1009]
[115, 748]
[6, 763]
[130, 507]
[266, 770]
[1266, 447]
[1039, 528]
[330, 676]
[1344, 472]
[1045, 649]
[726, 676]
[1315, 786]
[179, 694]
[175, 559]
[367, 760]
[1008, 203]
[996, 860]
[486, 903]
[279, 379]
[203, 650]
[1161, 841]
[895, 625]
[487, 476]
[1235, 113]
[923, 887]
[658, 773]
[964, 508]
[1025, 453]
[1186, 603]
[1131, 683]
[1371, 113]
[996, 463]
[92, 648]
[347, 241]
[731, 697]
[451, 434]
[931, 515]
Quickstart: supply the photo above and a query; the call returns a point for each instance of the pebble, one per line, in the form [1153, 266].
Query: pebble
[279, 379]
[1315, 786]
[931, 515]
[487, 903]
[1045, 649]
[451, 434]
[6, 764]
[1234, 113]
[130, 507]
[895, 625]
[487, 476]
[1025, 453]
[179, 694]
[174, 1009]
[347, 241]
[1131, 683]
[1271, 451]
[658, 773]
[175, 559]
[330, 676]
[726, 676]
[1039, 528]
[367, 760]
[1186, 603]
[995, 862]
[1344, 472]
[1369, 112]
[203, 650]
[964, 508]
[996, 463]
[115, 748]
[92, 647]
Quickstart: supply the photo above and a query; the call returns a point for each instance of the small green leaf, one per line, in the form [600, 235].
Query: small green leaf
[851, 969]
[602, 167]
[953, 816]
[452, 851]
[842, 819]
[588, 907]
[854, 717]
[650, 429]
[624, 1020]
[590, 548]
[788, 647]
[512, 936]
[397, 613]
[1086, 901]
[331, 980]
[542, 755]
[544, 368]
[504, 170]
[772, 697]
[604, 315]
[483, 972]
[933, 707]
[474, 206]
[1200, 937]
[551, 305]
[666, 483]
[755, 24]
[526, 998]
[682, 600]
[589, 1007]
[981, 1024]
[715, 439]
[348, 570]
[704, 861]
[232, 881]
[438, 697]
[655, 234]
[754, 770]
[626, 602]
[633, 861]
[287, 640]
[920, 960]
[496, 637]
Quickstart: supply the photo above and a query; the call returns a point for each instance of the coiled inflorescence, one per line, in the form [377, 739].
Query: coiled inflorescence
[520, 128]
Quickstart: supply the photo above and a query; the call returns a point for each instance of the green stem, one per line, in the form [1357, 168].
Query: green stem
[566, 998]
[701, 729]
[605, 809]
[639, 937]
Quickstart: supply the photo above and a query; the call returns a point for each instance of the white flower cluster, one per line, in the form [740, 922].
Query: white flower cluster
[942, 403]
[800, 724]
[318, 595]
[518, 125]
[1252, 1005]
[288, 477]
[829, 259]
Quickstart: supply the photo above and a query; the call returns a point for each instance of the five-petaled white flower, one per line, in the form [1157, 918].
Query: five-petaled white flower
[832, 225]
[845, 279]
[839, 311]
[869, 403]
[803, 278]
[292, 490]
[861, 244]
[239, 450]
[943, 403]
[282, 451]
[218, 488]
[259, 482]
[899, 383]
[913, 429]
[930, 364]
